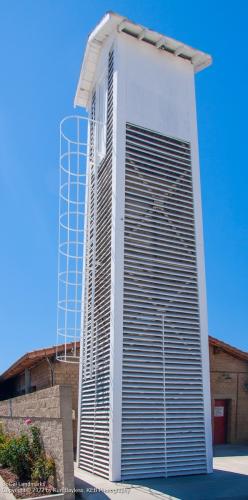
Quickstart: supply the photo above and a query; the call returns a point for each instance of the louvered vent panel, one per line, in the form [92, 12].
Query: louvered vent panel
[162, 409]
[94, 431]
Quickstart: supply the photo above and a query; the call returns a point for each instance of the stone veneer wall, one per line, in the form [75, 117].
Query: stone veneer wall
[68, 373]
[50, 409]
[41, 378]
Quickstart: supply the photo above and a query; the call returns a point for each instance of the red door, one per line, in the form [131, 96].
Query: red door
[220, 421]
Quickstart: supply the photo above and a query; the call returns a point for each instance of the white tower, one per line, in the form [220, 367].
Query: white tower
[144, 392]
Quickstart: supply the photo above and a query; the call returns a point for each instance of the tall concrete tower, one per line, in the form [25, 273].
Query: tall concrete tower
[144, 390]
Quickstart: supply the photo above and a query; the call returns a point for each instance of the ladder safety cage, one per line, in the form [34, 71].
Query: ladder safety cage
[74, 164]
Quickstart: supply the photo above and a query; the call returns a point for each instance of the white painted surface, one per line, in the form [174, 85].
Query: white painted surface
[155, 90]
[110, 25]
[201, 287]
[116, 333]
[158, 89]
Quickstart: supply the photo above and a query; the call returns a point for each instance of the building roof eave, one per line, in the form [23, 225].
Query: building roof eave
[30, 358]
[113, 22]
[229, 349]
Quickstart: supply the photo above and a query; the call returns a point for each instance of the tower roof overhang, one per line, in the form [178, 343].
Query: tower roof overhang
[111, 23]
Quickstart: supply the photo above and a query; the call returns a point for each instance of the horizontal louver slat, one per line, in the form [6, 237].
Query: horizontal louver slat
[94, 423]
[162, 395]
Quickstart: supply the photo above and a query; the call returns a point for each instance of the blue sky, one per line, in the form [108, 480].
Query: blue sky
[41, 48]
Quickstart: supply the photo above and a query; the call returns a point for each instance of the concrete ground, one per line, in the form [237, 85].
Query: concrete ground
[5, 493]
[228, 481]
